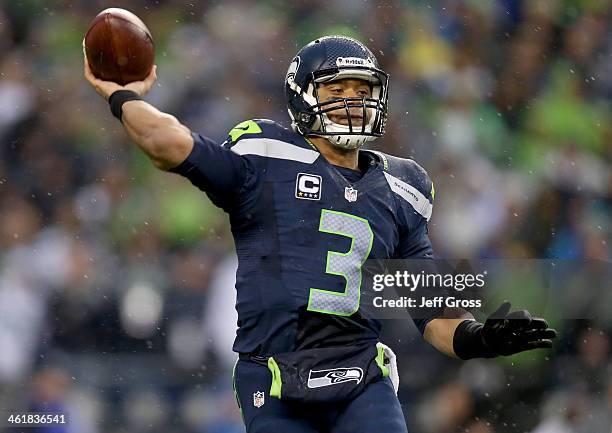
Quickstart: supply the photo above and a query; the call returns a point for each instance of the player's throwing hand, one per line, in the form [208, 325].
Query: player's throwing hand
[107, 88]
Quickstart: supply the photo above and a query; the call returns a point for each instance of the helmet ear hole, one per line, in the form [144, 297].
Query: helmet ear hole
[307, 118]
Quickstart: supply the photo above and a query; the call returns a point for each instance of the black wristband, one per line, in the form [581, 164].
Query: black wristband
[120, 97]
[467, 341]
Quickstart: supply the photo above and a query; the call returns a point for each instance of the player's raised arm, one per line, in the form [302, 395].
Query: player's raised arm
[159, 135]
[170, 145]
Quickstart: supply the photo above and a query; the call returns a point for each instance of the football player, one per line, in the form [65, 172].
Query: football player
[307, 206]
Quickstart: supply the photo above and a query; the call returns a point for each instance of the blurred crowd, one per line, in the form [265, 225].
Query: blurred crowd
[116, 280]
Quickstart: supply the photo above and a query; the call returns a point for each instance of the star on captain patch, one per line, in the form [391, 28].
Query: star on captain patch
[259, 398]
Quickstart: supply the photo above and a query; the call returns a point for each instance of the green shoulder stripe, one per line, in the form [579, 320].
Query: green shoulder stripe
[246, 127]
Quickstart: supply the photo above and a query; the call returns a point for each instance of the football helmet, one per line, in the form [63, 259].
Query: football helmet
[328, 59]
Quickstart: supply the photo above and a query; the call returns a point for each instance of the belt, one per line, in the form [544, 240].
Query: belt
[254, 358]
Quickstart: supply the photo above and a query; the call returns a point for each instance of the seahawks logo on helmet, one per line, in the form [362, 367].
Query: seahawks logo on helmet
[333, 58]
[334, 376]
[293, 67]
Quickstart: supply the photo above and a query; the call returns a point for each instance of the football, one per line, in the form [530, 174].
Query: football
[119, 47]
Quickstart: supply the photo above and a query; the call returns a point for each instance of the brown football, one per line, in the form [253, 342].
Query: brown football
[119, 47]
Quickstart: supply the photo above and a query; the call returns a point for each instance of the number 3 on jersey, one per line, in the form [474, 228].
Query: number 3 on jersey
[347, 265]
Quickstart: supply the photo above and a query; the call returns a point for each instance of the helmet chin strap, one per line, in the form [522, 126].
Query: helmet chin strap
[348, 141]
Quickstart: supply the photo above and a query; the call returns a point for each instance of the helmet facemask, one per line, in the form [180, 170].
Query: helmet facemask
[316, 120]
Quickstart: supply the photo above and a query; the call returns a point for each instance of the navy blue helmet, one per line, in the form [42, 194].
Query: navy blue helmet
[328, 59]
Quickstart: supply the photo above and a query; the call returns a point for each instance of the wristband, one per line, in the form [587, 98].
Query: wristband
[120, 97]
[468, 343]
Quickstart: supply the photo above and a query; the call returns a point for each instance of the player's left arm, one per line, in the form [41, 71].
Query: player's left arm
[437, 325]
[454, 332]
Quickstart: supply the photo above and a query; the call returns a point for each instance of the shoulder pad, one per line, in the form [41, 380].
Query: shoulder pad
[411, 172]
[259, 128]
[410, 181]
[266, 138]
[249, 127]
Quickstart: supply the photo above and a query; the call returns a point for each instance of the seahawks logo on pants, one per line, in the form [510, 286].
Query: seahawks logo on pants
[334, 376]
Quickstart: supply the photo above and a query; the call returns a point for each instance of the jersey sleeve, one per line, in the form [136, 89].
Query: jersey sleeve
[222, 174]
[416, 245]
[414, 242]
[416, 211]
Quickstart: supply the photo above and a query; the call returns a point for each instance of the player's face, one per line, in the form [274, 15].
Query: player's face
[345, 88]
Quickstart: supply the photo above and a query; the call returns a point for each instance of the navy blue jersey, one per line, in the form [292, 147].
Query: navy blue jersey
[303, 228]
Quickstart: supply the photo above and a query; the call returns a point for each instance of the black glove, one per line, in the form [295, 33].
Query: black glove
[503, 333]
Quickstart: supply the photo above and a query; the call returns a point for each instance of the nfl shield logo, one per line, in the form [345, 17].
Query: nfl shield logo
[258, 399]
[350, 193]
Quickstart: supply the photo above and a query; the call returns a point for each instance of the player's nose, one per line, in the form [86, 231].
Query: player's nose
[351, 93]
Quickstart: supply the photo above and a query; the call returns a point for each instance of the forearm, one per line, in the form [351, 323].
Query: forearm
[440, 333]
[159, 135]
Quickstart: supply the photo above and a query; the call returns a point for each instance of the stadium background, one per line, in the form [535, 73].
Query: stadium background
[115, 280]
